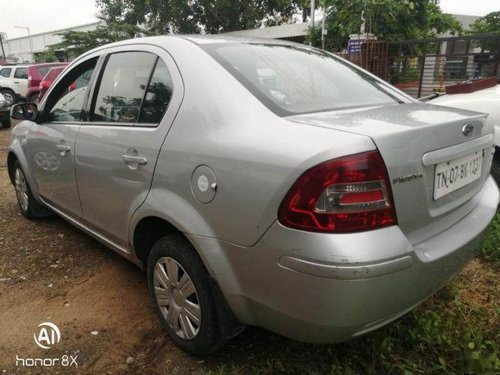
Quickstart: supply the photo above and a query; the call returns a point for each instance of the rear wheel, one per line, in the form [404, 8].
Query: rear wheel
[182, 296]
[9, 96]
[28, 205]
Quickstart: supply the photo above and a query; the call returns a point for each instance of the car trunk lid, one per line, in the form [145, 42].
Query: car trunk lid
[422, 146]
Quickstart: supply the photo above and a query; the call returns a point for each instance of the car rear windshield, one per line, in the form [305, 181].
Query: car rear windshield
[292, 80]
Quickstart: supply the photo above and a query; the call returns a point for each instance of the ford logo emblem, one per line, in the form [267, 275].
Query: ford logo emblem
[468, 130]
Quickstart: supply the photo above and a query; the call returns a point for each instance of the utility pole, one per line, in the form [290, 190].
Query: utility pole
[1, 44]
[323, 30]
[313, 11]
[29, 37]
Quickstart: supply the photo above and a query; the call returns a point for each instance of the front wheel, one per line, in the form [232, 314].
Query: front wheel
[182, 297]
[33, 98]
[9, 96]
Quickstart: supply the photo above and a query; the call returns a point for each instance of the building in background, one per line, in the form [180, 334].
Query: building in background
[25, 48]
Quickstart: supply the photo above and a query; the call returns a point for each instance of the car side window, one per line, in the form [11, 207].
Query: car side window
[5, 72]
[21, 73]
[158, 95]
[122, 87]
[69, 105]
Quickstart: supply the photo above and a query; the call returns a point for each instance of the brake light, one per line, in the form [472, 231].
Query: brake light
[345, 195]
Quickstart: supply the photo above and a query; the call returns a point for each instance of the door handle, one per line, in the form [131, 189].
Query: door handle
[130, 159]
[63, 149]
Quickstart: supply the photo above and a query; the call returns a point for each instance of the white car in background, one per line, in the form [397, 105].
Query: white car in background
[486, 100]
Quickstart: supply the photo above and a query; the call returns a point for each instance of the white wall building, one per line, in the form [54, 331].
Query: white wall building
[24, 48]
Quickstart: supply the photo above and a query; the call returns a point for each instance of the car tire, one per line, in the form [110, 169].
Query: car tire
[33, 98]
[5, 124]
[177, 278]
[28, 205]
[9, 96]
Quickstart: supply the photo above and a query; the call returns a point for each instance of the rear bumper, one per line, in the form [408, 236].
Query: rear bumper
[325, 288]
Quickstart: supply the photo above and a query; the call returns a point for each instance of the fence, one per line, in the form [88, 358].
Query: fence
[422, 67]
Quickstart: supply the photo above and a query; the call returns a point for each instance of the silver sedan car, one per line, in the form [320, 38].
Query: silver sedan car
[258, 182]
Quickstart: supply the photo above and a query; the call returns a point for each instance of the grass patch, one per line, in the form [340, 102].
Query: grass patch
[490, 247]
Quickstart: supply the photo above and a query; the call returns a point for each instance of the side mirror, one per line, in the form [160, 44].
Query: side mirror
[24, 111]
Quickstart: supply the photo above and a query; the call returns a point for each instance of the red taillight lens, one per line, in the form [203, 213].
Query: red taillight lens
[345, 195]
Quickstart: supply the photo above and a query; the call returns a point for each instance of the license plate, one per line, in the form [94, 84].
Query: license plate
[455, 174]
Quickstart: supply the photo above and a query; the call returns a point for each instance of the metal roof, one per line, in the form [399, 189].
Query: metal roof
[274, 32]
[300, 29]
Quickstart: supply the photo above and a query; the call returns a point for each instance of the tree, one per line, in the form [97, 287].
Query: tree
[46, 56]
[386, 19]
[489, 24]
[195, 16]
[77, 42]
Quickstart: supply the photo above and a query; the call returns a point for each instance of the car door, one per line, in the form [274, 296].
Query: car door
[52, 143]
[138, 93]
[20, 81]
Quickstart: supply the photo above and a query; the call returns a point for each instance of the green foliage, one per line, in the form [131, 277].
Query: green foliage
[313, 36]
[490, 247]
[212, 16]
[78, 42]
[489, 24]
[387, 19]
[47, 56]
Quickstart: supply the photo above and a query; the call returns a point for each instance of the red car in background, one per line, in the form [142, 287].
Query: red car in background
[48, 79]
[35, 74]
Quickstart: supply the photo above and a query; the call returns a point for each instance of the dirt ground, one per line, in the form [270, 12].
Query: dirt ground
[50, 271]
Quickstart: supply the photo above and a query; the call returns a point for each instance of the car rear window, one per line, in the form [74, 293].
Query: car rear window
[292, 80]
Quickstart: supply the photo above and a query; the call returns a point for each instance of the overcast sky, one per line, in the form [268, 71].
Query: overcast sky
[48, 15]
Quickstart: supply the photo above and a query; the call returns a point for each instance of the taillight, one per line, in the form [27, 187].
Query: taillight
[345, 195]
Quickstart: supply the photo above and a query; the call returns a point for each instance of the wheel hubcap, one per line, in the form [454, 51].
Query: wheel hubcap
[177, 298]
[9, 99]
[21, 189]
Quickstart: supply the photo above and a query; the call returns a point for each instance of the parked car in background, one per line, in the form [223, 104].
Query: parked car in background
[36, 73]
[4, 113]
[486, 100]
[260, 183]
[47, 80]
[13, 82]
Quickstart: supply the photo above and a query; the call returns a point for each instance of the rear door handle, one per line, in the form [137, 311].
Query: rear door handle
[130, 159]
[63, 148]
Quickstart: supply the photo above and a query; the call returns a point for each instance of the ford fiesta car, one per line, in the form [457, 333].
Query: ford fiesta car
[260, 183]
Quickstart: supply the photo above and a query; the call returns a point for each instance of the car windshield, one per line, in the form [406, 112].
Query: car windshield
[291, 80]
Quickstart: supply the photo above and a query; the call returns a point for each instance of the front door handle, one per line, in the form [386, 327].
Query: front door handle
[63, 148]
[131, 159]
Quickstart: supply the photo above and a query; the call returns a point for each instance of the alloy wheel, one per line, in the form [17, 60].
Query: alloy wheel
[9, 98]
[21, 189]
[177, 298]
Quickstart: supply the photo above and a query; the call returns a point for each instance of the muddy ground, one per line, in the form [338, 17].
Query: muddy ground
[50, 271]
